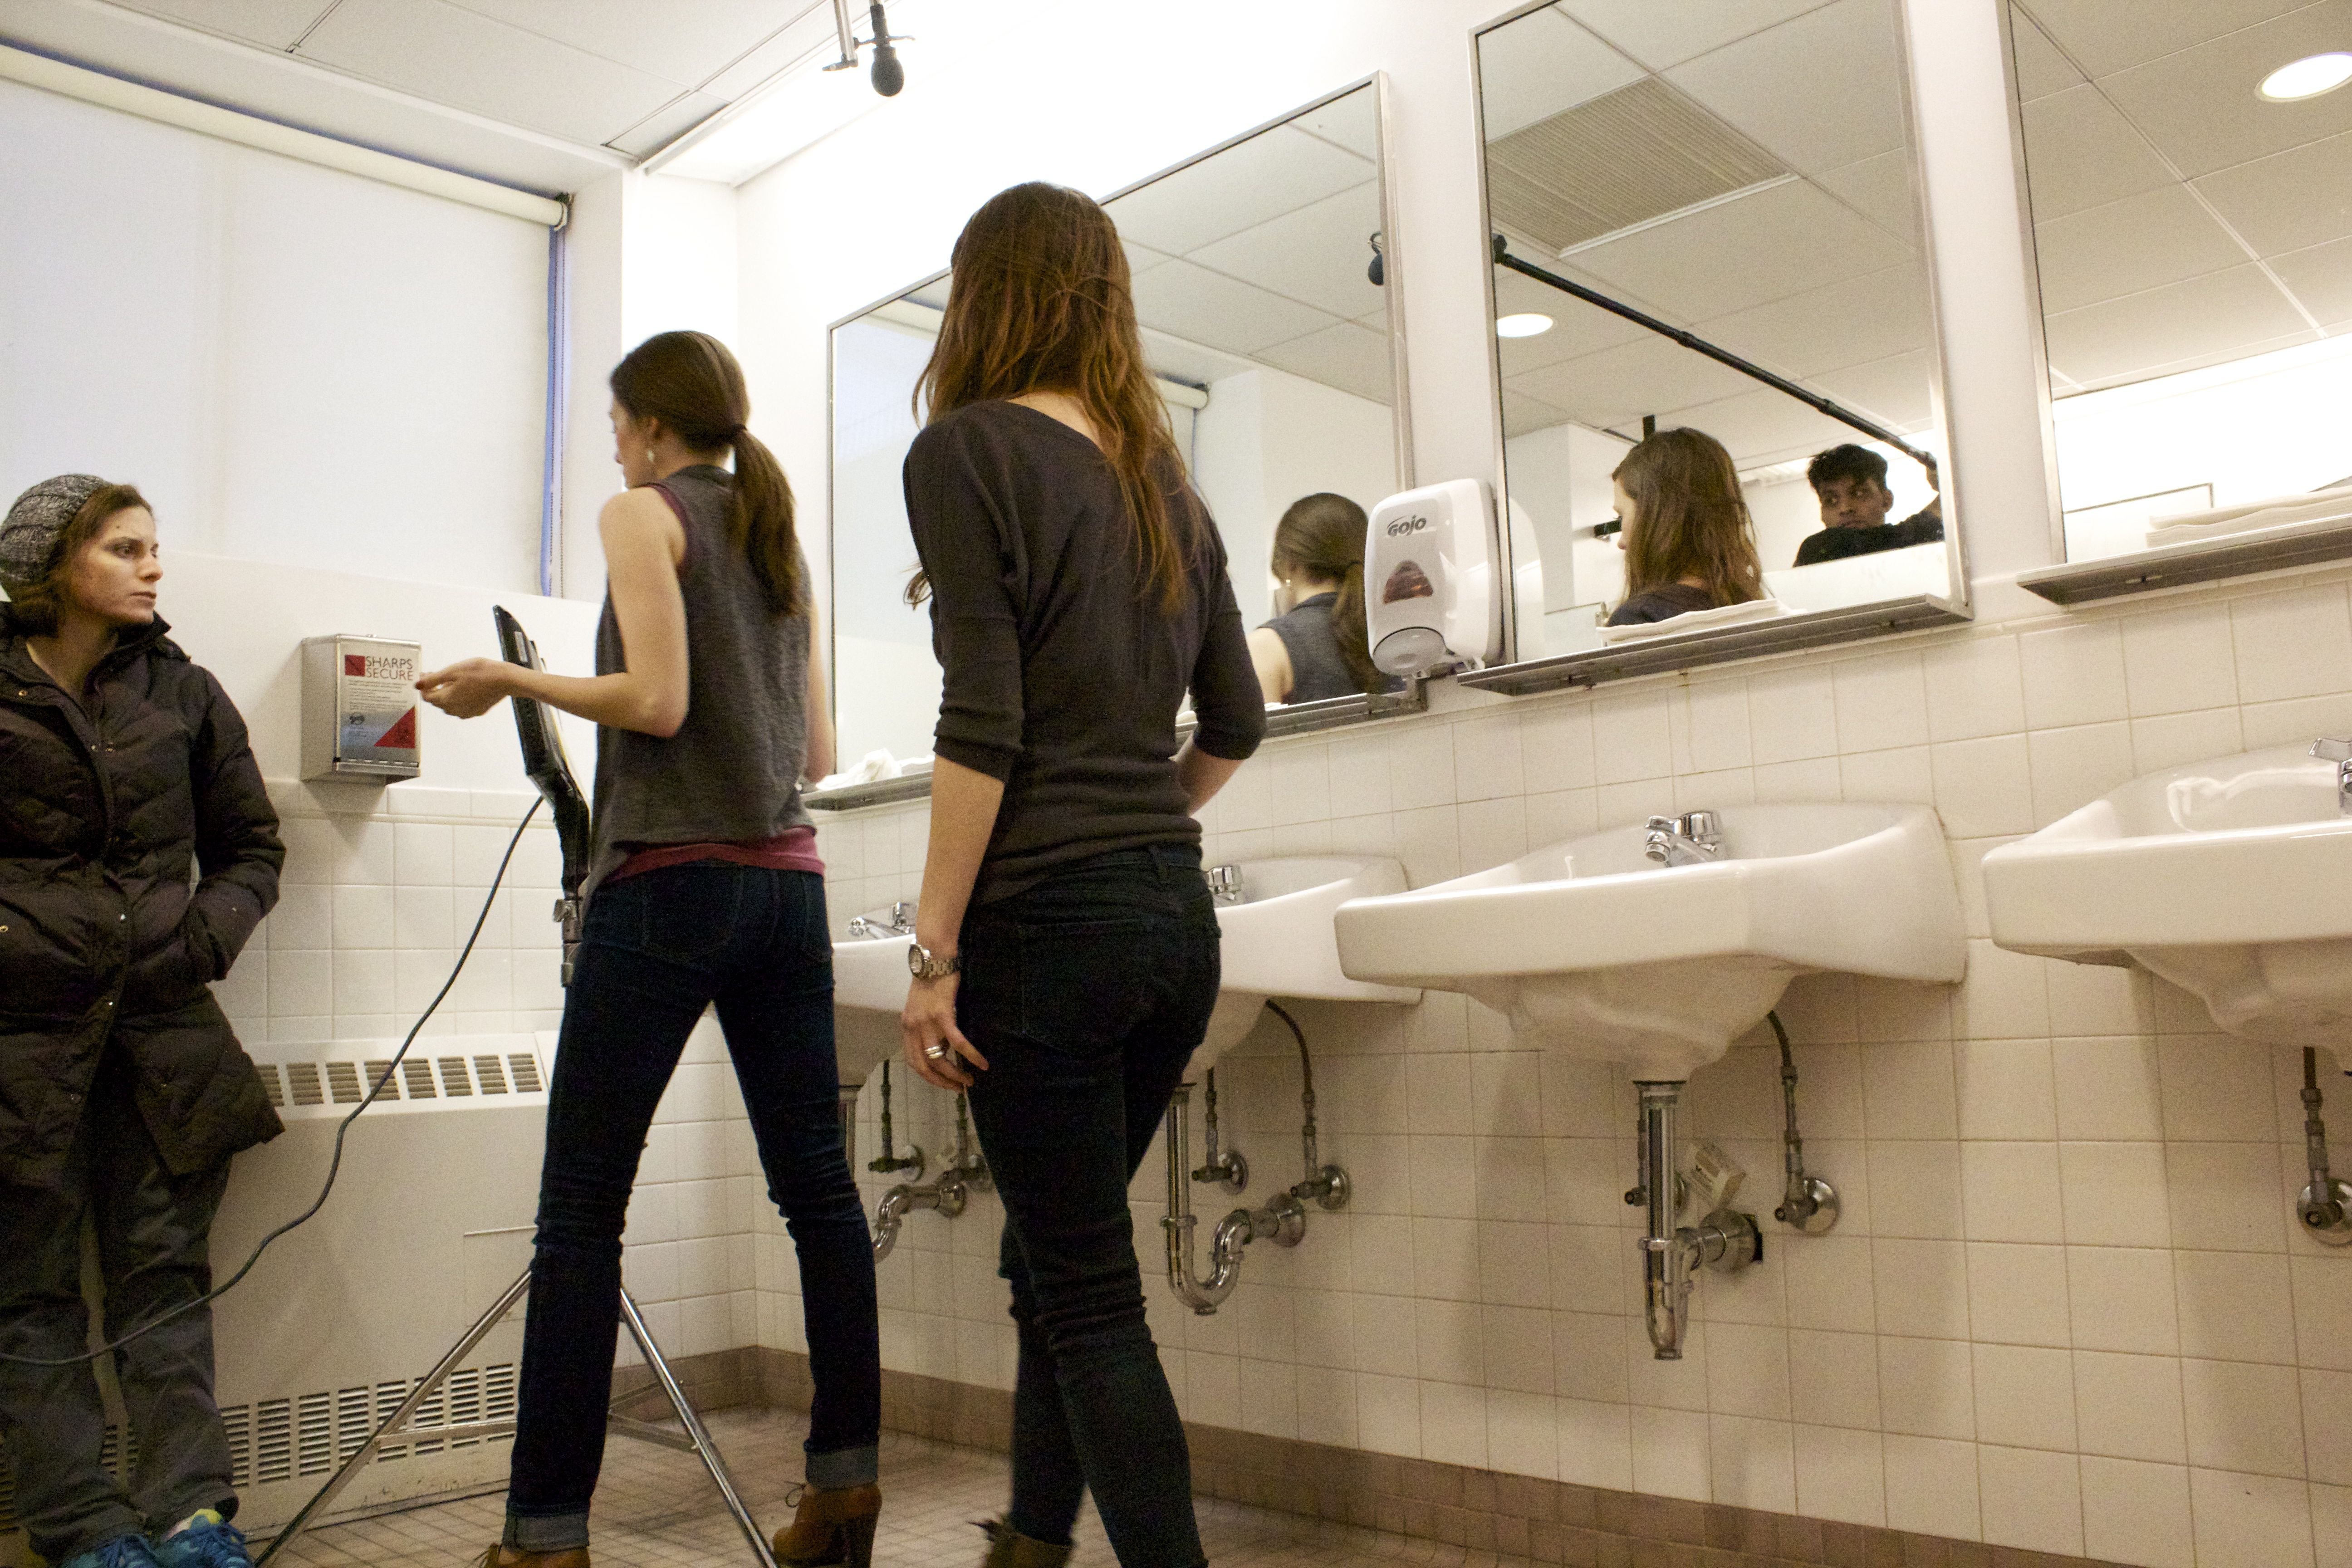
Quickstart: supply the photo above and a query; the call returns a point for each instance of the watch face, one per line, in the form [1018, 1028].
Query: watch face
[915, 958]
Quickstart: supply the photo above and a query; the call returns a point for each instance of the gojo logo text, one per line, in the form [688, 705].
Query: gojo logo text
[1404, 525]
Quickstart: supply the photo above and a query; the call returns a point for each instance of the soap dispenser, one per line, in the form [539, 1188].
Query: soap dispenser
[1433, 586]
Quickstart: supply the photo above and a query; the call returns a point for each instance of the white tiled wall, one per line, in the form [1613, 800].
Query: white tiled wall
[2065, 1310]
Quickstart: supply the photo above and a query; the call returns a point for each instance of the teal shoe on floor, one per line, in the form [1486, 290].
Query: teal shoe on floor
[208, 1542]
[122, 1552]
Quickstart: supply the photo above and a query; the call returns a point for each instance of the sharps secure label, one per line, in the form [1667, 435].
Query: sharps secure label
[359, 707]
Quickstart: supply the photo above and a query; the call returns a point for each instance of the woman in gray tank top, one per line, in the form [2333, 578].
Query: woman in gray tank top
[708, 889]
[1316, 648]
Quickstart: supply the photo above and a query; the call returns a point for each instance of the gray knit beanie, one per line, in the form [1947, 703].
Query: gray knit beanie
[28, 537]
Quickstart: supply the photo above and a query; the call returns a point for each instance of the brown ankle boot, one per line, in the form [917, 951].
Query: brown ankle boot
[832, 1525]
[503, 1556]
[1008, 1548]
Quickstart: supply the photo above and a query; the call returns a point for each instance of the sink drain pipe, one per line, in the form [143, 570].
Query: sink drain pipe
[2326, 1207]
[965, 1174]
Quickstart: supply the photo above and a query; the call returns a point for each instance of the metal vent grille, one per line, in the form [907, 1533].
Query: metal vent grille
[1620, 160]
[302, 1084]
[417, 1071]
[344, 1082]
[526, 1071]
[311, 1434]
[272, 1085]
[454, 1078]
[375, 1074]
[492, 1072]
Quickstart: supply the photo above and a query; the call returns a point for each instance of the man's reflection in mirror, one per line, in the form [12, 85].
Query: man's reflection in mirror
[1317, 648]
[1851, 482]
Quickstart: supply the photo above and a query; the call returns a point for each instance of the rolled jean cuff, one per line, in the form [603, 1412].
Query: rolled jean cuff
[841, 1468]
[547, 1532]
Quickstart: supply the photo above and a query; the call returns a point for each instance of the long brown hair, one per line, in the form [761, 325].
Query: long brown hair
[1321, 537]
[40, 608]
[1689, 519]
[692, 384]
[1040, 301]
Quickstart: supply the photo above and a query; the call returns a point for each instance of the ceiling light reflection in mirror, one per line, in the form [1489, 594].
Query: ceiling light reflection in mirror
[2187, 166]
[1742, 174]
[1274, 351]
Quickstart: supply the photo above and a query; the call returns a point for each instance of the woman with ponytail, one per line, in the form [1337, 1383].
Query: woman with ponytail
[1316, 648]
[710, 705]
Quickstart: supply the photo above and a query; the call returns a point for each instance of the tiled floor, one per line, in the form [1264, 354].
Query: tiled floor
[657, 1507]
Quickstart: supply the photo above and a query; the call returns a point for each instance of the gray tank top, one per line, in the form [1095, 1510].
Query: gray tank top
[732, 771]
[1316, 670]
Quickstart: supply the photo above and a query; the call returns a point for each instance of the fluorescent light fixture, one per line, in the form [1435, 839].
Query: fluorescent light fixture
[2308, 78]
[1526, 325]
[798, 108]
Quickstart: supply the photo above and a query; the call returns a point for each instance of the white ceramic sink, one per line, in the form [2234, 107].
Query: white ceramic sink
[1602, 953]
[1278, 942]
[2232, 878]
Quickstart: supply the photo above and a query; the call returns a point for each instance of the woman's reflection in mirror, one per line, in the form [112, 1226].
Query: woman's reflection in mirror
[1689, 543]
[1851, 482]
[1316, 648]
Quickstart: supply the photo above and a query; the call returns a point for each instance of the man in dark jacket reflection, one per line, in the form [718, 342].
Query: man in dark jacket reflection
[138, 851]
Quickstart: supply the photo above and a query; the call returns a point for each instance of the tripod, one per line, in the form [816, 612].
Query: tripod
[695, 1439]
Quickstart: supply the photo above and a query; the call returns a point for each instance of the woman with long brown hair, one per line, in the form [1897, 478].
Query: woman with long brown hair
[1317, 647]
[1688, 541]
[707, 888]
[1066, 944]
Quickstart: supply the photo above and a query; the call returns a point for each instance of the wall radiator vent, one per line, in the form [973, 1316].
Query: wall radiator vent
[303, 1085]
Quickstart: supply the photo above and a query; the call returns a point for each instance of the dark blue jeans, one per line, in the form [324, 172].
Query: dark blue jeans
[658, 948]
[1087, 994]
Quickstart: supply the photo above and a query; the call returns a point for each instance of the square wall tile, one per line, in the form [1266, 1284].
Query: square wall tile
[2250, 1521]
[1923, 1286]
[1792, 715]
[2007, 1089]
[2009, 1191]
[1984, 788]
[1882, 701]
[1927, 1387]
[1841, 1475]
[2169, 739]
[1914, 1189]
[2243, 1416]
[2123, 1299]
[2129, 1407]
[2327, 1426]
[1671, 1452]
[1488, 758]
[2018, 1295]
[2108, 1088]
[2025, 1396]
[2073, 674]
[2031, 1500]
[2115, 1194]
[1751, 1464]
[2225, 1197]
[1833, 1379]
[2294, 644]
[2135, 1512]
[2074, 767]
[1931, 1487]
[1974, 690]
[1596, 1444]
[2178, 660]
[2238, 1306]
[1629, 740]
[2322, 1307]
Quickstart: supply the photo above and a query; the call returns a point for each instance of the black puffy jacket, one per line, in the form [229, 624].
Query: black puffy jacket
[106, 813]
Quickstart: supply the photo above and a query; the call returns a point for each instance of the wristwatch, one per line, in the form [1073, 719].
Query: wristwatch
[925, 964]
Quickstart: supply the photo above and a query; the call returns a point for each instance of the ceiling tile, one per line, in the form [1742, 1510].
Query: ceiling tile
[2041, 68]
[686, 41]
[1618, 384]
[1761, 426]
[2080, 152]
[1317, 254]
[273, 24]
[1786, 239]
[2109, 35]
[1578, 328]
[2291, 201]
[1344, 355]
[1821, 90]
[1535, 66]
[1849, 323]
[1353, 122]
[2141, 242]
[1522, 414]
[1192, 303]
[1880, 189]
[666, 124]
[2199, 106]
[1247, 183]
[1896, 391]
[451, 56]
[2221, 316]
[2322, 278]
[1663, 36]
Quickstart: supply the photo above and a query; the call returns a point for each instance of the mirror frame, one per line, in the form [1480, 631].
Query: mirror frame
[1813, 628]
[1288, 719]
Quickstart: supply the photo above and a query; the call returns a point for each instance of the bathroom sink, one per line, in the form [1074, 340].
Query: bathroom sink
[1598, 952]
[1278, 942]
[2231, 878]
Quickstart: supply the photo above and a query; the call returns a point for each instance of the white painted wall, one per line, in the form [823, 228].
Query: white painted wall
[294, 364]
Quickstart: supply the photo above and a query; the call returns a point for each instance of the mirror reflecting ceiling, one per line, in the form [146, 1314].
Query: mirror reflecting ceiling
[2193, 234]
[1741, 173]
[1274, 353]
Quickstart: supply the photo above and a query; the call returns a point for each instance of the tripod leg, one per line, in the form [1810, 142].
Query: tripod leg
[694, 1431]
[399, 1418]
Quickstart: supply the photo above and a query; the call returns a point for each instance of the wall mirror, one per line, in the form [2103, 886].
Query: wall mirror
[2186, 167]
[1705, 217]
[1278, 355]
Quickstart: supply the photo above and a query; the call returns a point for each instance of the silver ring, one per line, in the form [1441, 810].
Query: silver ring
[939, 1050]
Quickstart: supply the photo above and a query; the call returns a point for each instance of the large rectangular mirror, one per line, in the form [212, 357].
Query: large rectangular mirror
[2187, 164]
[1705, 218]
[1277, 353]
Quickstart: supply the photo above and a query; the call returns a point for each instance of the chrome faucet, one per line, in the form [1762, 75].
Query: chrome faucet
[881, 925]
[1225, 885]
[2329, 750]
[1691, 839]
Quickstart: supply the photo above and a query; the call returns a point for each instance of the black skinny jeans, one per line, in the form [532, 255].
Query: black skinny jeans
[658, 947]
[1087, 994]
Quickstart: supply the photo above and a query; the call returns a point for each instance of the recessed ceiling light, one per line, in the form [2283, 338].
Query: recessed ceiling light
[2308, 78]
[1527, 324]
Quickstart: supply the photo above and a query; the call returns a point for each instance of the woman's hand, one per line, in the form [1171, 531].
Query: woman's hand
[927, 1027]
[468, 689]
